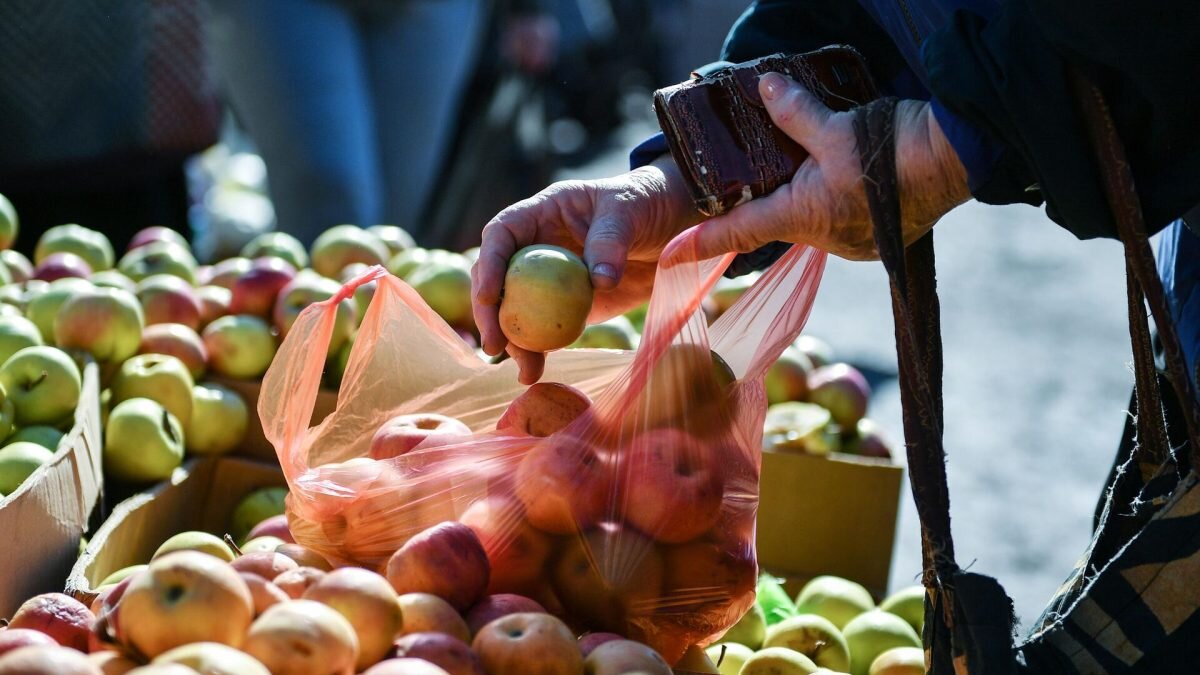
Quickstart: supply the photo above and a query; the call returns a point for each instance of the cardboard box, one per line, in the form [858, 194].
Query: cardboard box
[200, 495]
[43, 521]
[832, 514]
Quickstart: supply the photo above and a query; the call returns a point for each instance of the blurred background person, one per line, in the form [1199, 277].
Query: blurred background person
[101, 103]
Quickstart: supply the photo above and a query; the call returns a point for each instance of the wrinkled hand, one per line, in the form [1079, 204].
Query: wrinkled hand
[619, 226]
[824, 205]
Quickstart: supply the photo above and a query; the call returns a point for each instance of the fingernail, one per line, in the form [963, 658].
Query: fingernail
[773, 85]
[605, 270]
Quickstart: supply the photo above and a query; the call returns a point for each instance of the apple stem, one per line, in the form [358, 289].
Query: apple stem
[721, 656]
[36, 381]
[229, 542]
[166, 423]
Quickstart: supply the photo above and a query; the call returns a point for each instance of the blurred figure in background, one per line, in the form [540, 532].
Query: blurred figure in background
[101, 102]
[352, 103]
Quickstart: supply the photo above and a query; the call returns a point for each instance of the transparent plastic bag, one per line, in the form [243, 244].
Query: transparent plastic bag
[636, 518]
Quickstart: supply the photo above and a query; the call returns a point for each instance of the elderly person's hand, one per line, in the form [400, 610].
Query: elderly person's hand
[825, 205]
[619, 225]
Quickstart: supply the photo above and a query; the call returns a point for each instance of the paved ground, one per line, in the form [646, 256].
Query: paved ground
[1037, 378]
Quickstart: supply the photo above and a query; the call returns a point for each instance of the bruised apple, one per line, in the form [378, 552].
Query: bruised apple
[446, 560]
[608, 577]
[564, 484]
[532, 644]
[547, 297]
[15, 638]
[673, 483]
[516, 550]
[543, 409]
[402, 433]
[60, 616]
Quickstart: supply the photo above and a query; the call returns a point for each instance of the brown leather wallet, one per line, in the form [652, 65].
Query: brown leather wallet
[722, 137]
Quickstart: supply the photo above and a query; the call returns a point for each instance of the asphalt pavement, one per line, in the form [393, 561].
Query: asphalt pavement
[1037, 379]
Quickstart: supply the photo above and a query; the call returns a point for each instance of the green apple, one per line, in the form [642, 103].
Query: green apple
[727, 291]
[817, 350]
[279, 245]
[729, 656]
[899, 661]
[239, 346]
[778, 661]
[750, 630]
[18, 461]
[160, 378]
[43, 306]
[90, 245]
[637, 317]
[159, 257]
[143, 442]
[874, 632]
[219, 420]
[815, 637]
[616, 333]
[104, 322]
[307, 289]
[17, 333]
[335, 366]
[113, 279]
[13, 295]
[20, 269]
[799, 427]
[8, 414]
[47, 437]
[787, 378]
[444, 283]
[263, 544]
[9, 223]
[43, 384]
[255, 508]
[834, 598]
[396, 238]
[908, 604]
[408, 261]
[120, 575]
[345, 244]
[194, 540]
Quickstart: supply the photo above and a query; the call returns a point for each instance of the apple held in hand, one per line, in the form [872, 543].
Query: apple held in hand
[90, 245]
[143, 442]
[256, 290]
[43, 384]
[564, 485]
[277, 245]
[547, 298]
[169, 299]
[219, 421]
[158, 377]
[536, 644]
[342, 245]
[159, 257]
[402, 433]
[543, 409]
[239, 346]
[673, 485]
[842, 390]
[104, 322]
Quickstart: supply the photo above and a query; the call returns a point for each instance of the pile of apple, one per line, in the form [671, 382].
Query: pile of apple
[206, 606]
[832, 627]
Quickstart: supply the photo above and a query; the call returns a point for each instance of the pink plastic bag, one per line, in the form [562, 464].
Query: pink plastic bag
[637, 518]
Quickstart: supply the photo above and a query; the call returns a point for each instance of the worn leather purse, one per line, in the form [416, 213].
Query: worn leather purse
[722, 137]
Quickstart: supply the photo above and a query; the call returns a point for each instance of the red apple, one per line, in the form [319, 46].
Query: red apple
[842, 390]
[544, 409]
[178, 340]
[214, 303]
[402, 433]
[60, 616]
[296, 582]
[673, 485]
[564, 485]
[495, 606]
[61, 266]
[15, 638]
[204, 275]
[589, 642]
[706, 575]
[787, 378]
[226, 273]
[447, 652]
[305, 557]
[168, 299]
[275, 526]
[263, 592]
[155, 233]
[537, 644]
[869, 440]
[517, 551]
[610, 578]
[256, 290]
[446, 560]
[104, 322]
[264, 564]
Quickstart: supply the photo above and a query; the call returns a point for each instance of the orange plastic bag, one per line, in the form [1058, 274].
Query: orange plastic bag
[637, 518]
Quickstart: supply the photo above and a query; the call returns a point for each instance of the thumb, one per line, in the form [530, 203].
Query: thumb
[606, 248]
[793, 108]
[745, 228]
